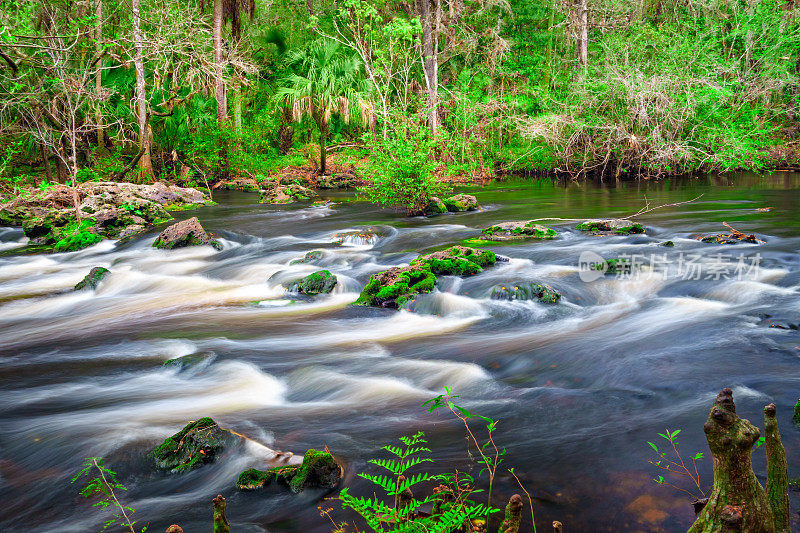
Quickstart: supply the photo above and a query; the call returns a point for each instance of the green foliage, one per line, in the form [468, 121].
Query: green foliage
[104, 486]
[401, 169]
[670, 460]
[450, 514]
[75, 236]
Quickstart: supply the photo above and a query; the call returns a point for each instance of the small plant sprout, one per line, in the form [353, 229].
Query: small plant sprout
[490, 456]
[104, 485]
[671, 461]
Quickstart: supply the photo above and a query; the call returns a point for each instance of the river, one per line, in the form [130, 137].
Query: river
[579, 387]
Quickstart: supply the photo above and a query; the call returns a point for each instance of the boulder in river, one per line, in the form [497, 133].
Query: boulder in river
[796, 415]
[616, 265]
[195, 445]
[526, 291]
[520, 229]
[190, 361]
[286, 194]
[310, 257]
[92, 279]
[394, 287]
[435, 206]
[461, 202]
[318, 470]
[320, 282]
[184, 233]
[610, 226]
[457, 261]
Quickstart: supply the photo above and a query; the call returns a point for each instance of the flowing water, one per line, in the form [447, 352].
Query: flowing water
[579, 387]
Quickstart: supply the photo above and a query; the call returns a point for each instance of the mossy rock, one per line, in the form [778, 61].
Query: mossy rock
[393, 288]
[286, 194]
[617, 265]
[314, 255]
[526, 291]
[92, 279]
[461, 202]
[320, 282]
[435, 206]
[668, 244]
[522, 229]
[610, 227]
[198, 443]
[723, 238]
[189, 361]
[318, 470]
[457, 261]
[796, 416]
[185, 233]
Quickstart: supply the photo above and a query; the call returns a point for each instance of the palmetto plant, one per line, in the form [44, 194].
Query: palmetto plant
[326, 80]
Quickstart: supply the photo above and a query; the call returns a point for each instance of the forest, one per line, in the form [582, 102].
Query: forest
[465, 90]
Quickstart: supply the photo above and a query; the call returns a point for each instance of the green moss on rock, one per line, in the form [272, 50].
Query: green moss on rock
[610, 227]
[253, 479]
[526, 291]
[457, 261]
[185, 233]
[617, 265]
[320, 282]
[435, 206]
[394, 287]
[318, 470]
[314, 255]
[523, 229]
[796, 416]
[92, 279]
[198, 443]
[460, 203]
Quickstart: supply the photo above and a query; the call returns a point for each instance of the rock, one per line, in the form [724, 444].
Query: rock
[92, 279]
[314, 255]
[185, 233]
[285, 194]
[723, 238]
[320, 282]
[796, 415]
[189, 361]
[526, 291]
[196, 444]
[457, 261]
[668, 244]
[610, 227]
[521, 229]
[617, 265]
[435, 206]
[131, 231]
[394, 287]
[239, 184]
[366, 237]
[318, 470]
[461, 202]
[336, 181]
[76, 236]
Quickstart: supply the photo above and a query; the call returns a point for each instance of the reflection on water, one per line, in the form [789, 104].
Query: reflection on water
[579, 386]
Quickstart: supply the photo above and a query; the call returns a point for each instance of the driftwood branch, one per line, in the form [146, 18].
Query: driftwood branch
[645, 209]
[11, 63]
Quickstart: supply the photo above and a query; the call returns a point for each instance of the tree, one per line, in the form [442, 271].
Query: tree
[326, 81]
[145, 162]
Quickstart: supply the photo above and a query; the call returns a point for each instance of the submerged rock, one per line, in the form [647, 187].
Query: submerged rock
[617, 265]
[320, 282]
[92, 279]
[435, 206]
[394, 287]
[526, 291]
[461, 202]
[318, 470]
[668, 244]
[521, 229]
[196, 444]
[314, 255]
[610, 227]
[286, 194]
[185, 233]
[457, 261]
[188, 361]
[796, 415]
[723, 238]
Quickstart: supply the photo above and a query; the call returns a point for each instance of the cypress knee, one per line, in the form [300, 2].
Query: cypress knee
[777, 472]
[737, 502]
[220, 521]
[174, 528]
[513, 515]
[558, 527]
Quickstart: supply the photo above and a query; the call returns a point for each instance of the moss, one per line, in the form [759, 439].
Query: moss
[196, 444]
[611, 227]
[435, 206]
[513, 515]
[319, 470]
[668, 244]
[395, 287]
[796, 416]
[92, 279]
[618, 265]
[530, 230]
[177, 206]
[320, 282]
[457, 261]
[253, 479]
[531, 291]
[460, 203]
[314, 255]
[76, 237]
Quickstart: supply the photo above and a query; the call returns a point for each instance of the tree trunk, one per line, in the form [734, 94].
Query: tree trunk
[430, 65]
[219, 84]
[237, 110]
[737, 502]
[777, 472]
[323, 151]
[46, 161]
[141, 100]
[583, 20]
[98, 82]
[548, 76]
